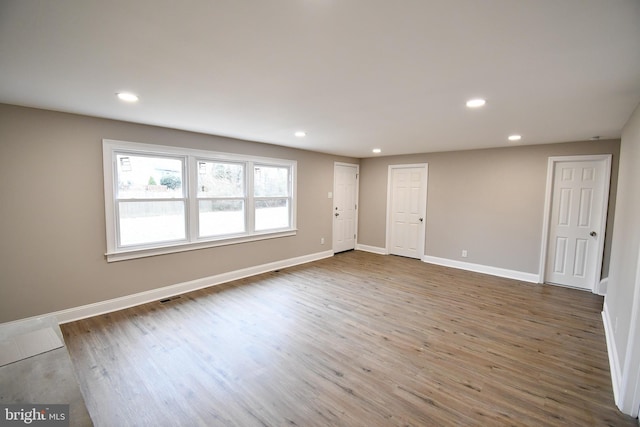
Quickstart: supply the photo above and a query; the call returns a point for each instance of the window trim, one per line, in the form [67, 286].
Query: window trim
[196, 208]
[193, 242]
[118, 201]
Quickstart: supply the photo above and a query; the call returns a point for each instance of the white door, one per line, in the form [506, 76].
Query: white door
[407, 206]
[345, 205]
[576, 225]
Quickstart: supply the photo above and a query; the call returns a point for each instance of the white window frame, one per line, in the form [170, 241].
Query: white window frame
[244, 198]
[255, 198]
[119, 201]
[116, 253]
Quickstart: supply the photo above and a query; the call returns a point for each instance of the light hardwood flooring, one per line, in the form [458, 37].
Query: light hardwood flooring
[354, 340]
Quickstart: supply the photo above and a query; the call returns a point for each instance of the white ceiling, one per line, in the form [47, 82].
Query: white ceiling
[354, 74]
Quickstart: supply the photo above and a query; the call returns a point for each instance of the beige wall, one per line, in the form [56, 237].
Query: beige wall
[53, 228]
[53, 223]
[489, 202]
[625, 252]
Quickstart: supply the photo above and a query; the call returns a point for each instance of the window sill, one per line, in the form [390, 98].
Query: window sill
[124, 254]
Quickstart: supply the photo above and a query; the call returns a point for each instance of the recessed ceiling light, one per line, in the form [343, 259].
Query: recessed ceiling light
[515, 137]
[377, 150]
[127, 96]
[300, 134]
[475, 103]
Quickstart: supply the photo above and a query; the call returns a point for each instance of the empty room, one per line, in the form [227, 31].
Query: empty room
[320, 213]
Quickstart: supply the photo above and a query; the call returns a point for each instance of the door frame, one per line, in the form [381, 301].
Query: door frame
[551, 165]
[357, 195]
[422, 242]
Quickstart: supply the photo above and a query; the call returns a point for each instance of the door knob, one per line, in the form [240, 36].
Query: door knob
[421, 219]
[593, 234]
[337, 214]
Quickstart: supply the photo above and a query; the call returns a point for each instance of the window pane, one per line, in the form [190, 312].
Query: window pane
[151, 222]
[272, 213]
[219, 217]
[271, 181]
[220, 179]
[146, 177]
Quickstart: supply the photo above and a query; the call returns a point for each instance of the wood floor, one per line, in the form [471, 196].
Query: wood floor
[354, 340]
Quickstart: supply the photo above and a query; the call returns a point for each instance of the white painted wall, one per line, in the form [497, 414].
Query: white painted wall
[622, 302]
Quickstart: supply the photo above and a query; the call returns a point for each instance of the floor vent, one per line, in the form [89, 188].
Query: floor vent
[166, 300]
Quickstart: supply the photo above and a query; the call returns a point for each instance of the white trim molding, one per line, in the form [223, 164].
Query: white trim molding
[115, 304]
[601, 289]
[612, 352]
[184, 247]
[372, 249]
[628, 398]
[485, 269]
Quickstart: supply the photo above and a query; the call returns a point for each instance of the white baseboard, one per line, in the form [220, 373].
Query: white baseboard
[108, 306]
[372, 249]
[614, 361]
[601, 287]
[478, 268]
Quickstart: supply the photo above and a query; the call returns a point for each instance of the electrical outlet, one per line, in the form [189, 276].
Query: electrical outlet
[322, 240]
[464, 253]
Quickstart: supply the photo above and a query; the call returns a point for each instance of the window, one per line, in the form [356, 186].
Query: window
[221, 198]
[271, 197]
[167, 199]
[150, 204]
